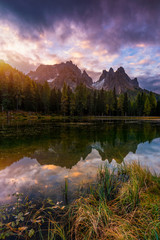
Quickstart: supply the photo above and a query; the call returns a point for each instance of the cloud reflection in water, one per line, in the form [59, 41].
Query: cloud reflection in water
[28, 176]
[148, 154]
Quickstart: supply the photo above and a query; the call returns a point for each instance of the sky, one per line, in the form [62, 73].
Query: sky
[94, 34]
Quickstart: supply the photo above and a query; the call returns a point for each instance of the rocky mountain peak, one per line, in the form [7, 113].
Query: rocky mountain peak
[120, 70]
[87, 78]
[69, 63]
[111, 71]
[103, 75]
[118, 80]
[68, 72]
[57, 74]
[84, 72]
[104, 72]
[135, 82]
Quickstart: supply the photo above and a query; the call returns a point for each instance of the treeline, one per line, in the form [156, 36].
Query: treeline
[19, 92]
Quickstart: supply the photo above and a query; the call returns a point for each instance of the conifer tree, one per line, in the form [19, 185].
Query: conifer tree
[125, 104]
[46, 97]
[121, 104]
[64, 100]
[147, 107]
[153, 103]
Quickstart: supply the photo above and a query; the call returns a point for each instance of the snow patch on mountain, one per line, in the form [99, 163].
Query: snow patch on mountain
[98, 85]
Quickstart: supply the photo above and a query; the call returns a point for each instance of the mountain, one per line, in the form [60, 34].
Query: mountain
[68, 72]
[57, 74]
[118, 80]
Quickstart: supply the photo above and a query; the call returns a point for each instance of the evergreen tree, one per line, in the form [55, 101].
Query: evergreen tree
[109, 103]
[46, 91]
[11, 92]
[147, 107]
[53, 101]
[69, 93]
[81, 99]
[72, 105]
[121, 104]
[140, 100]
[65, 100]
[29, 96]
[158, 108]
[115, 104]
[38, 89]
[125, 104]
[100, 102]
[18, 90]
[95, 102]
[153, 103]
[90, 103]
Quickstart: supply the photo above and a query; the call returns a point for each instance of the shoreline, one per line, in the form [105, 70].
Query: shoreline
[24, 116]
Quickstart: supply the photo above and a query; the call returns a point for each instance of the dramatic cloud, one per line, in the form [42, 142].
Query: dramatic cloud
[95, 34]
[112, 23]
[42, 179]
[147, 154]
[151, 83]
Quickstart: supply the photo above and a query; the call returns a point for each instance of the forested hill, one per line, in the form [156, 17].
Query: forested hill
[19, 92]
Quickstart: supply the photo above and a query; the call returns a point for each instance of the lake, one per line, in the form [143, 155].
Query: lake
[36, 158]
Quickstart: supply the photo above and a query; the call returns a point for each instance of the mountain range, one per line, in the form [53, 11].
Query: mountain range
[68, 72]
[57, 74]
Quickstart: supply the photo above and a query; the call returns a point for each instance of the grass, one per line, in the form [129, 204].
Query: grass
[123, 204]
[66, 191]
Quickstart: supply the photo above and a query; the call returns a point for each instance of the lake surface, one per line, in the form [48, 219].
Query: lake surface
[37, 157]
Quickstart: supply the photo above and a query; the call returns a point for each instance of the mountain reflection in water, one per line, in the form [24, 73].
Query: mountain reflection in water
[36, 158]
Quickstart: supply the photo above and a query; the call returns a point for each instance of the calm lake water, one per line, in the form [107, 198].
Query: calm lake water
[36, 158]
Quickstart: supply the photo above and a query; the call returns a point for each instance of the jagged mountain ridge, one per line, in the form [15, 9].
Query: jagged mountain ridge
[57, 74]
[68, 72]
[118, 80]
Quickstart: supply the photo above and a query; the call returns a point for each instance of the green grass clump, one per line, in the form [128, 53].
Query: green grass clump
[124, 203]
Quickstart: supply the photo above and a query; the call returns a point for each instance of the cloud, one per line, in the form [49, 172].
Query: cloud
[94, 75]
[145, 62]
[147, 154]
[95, 34]
[151, 83]
[105, 22]
[44, 178]
[25, 55]
[20, 62]
[76, 55]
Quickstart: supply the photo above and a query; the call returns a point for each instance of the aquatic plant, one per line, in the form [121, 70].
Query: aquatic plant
[124, 203]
